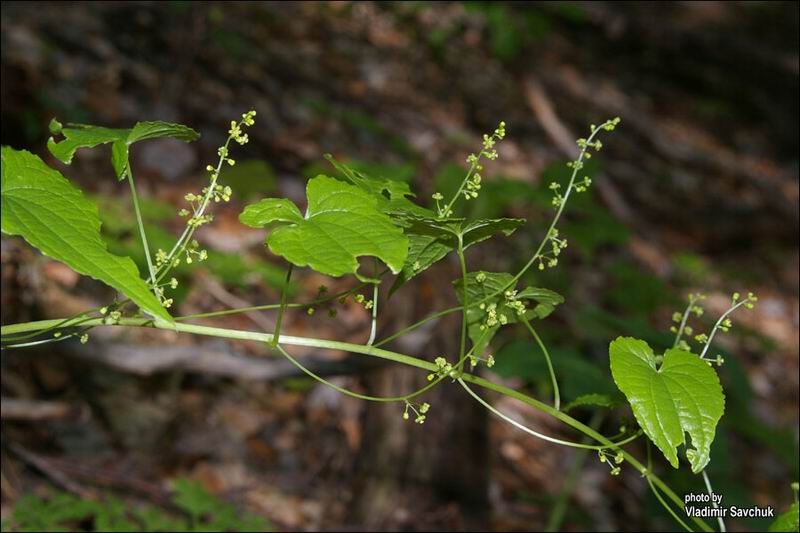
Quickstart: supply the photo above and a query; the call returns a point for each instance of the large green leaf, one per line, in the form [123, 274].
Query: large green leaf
[430, 239]
[788, 521]
[53, 215]
[342, 222]
[682, 395]
[85, 136]
[490, 289]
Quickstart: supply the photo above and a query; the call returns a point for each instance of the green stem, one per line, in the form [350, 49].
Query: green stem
[560, 507]
[710, 490]
[464, 301]
[269, 307]
[719, 323]
[374, 352]
[538, 435]
[684, 319]
[140, 223]
[553, 380]
[554, 222]
[666, 506]
[417, 324]
[282, 307]
[374, 325]
[448, 208]
[366, 397]
[588, 431]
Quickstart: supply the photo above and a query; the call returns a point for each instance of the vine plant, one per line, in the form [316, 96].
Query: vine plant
[352, 216]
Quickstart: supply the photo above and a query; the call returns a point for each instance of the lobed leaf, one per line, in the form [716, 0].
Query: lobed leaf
[682, 395]
[85, 136]
[49, 212]
[342, 222]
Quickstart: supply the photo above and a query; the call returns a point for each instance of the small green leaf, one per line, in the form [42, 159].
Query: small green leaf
[342, 222]
[270, 210]
[489, 288]
[53, 215]
[788, 521]
[683, 395]
[85, 136]
[599, 400]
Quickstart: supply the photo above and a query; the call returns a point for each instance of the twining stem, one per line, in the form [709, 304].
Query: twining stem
[719, 323]
[374, 325]
[560, 507]
[186, 236]
[140, 223]
[710, 490]
[653, 488]
[360, 396]
[536, 434]
[268, 307]
[684, 319]
[667, 506]
[282, 307]
[473, 167]
[374, 352]
[570, 186]
[464, 300]
[537, 254]
[553, 380]
[417, 324]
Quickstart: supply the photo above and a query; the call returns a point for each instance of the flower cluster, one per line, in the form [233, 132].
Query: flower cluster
[419, 411]
[549, 258]
[214, 191]
[585, 146]
[472, 182]
[613, 462]
[474, 360]
[368, 304]
[443, 368]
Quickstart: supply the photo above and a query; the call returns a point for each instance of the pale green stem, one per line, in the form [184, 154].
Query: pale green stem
[360, 396]
[718, 324]
[417, 324]
[710, 490]
[553, 380]
[666, 506]
[140, 223]
[550, 229]
[465, 299]
[560, 507]
[374, 352]
[684, 319]
[183, 240]
[269, 307]
[555, 220]
[535, 433]
[456, 196]
[282, 307]
[374, 326]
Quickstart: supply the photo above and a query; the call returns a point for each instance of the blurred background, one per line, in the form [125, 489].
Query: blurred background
[697, 190]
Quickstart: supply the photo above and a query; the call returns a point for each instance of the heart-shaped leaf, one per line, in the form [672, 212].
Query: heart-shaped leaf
[85, 136]
[53, 215]
[682, 395]
[342, 222]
